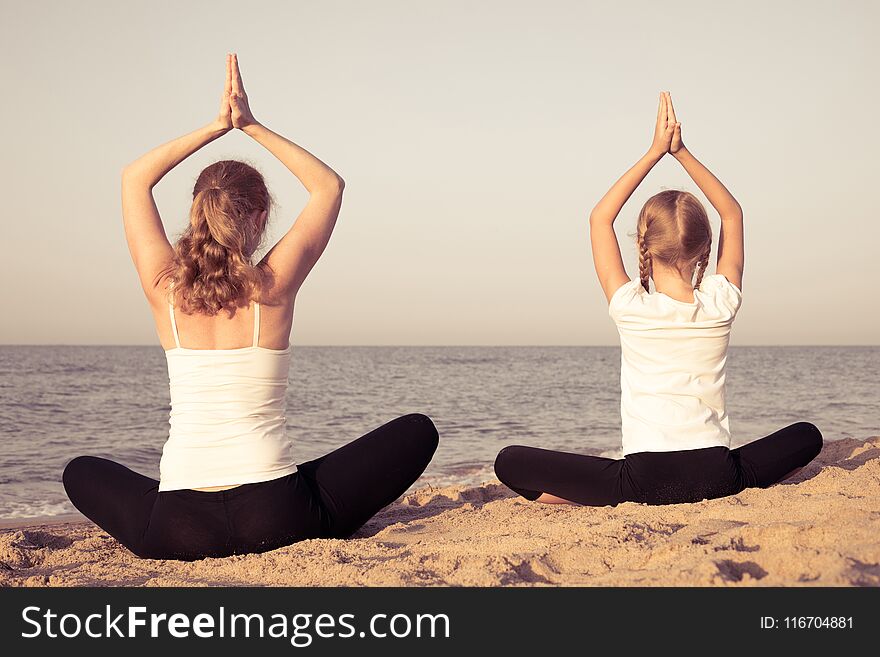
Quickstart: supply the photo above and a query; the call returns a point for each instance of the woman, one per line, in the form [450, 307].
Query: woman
[229, 483]
[676, 432]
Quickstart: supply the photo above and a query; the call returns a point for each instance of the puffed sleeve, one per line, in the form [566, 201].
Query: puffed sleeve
[623, 297]
[729, 295]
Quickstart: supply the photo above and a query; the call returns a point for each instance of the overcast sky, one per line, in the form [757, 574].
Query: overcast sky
[474, 138]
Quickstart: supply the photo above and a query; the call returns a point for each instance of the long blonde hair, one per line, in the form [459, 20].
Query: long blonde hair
[212, 267]
[673, 228]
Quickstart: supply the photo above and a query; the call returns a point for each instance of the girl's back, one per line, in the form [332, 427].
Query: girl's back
[672, 368]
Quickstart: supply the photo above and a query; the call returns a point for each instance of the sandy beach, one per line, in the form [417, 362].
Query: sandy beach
[820, 528]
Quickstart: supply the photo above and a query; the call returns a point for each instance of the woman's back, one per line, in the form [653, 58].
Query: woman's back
[672, 370]
[227, 421]
[198, 331]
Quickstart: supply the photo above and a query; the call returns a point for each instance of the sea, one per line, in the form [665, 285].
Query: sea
[58, 402]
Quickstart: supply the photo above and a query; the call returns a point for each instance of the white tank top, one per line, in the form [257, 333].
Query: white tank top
[672, 365]
[227, 415]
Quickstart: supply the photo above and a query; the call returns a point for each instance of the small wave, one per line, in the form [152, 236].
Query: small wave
[67, 369]
[462, 475]
[450, 360]
[10, 509]
[34, 406]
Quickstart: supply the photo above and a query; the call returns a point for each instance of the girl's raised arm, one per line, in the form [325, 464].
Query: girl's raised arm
[294, 255]
[731, 250]
[149, 246]
[606, 250]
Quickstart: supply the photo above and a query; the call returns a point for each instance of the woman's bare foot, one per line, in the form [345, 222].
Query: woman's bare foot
[547, 498]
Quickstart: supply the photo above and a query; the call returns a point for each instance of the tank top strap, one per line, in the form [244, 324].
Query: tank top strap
[256, 322]
[173, 322]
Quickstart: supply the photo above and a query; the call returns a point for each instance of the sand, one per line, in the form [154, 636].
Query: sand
[820, 528]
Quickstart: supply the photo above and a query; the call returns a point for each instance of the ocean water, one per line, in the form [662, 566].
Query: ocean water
[57, 402]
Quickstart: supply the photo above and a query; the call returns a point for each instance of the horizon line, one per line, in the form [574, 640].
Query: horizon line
[90, 344]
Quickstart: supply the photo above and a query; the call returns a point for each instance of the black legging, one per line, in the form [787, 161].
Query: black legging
[331, 496]
[658, 477]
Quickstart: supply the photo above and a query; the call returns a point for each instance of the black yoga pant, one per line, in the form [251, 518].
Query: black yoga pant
[330, 497]
[658, 477]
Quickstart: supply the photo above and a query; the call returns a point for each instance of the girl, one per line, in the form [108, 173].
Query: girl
[228, 482]
[676, 433]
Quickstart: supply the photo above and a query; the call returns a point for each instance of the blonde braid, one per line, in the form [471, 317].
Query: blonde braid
[645, 268]
[702, 264]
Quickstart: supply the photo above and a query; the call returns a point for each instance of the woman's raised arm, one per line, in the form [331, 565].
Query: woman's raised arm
[149, 246]
[293, 257]
[606, 250]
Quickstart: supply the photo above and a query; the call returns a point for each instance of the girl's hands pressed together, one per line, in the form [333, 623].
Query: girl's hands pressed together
[606, 250]
[242, 116]
[676, 144]
[664, 130]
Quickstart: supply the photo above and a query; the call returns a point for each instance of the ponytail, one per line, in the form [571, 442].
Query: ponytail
[212, 268]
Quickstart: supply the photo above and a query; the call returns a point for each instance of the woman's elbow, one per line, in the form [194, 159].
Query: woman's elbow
[129, 173]
[330, 185]
[335, 187]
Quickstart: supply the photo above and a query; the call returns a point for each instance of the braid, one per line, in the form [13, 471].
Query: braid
[644, 263]
[702, 264]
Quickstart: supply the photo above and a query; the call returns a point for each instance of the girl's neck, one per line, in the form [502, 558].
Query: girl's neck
[670, 282]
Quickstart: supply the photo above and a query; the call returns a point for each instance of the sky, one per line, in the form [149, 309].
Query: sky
[474, 139]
